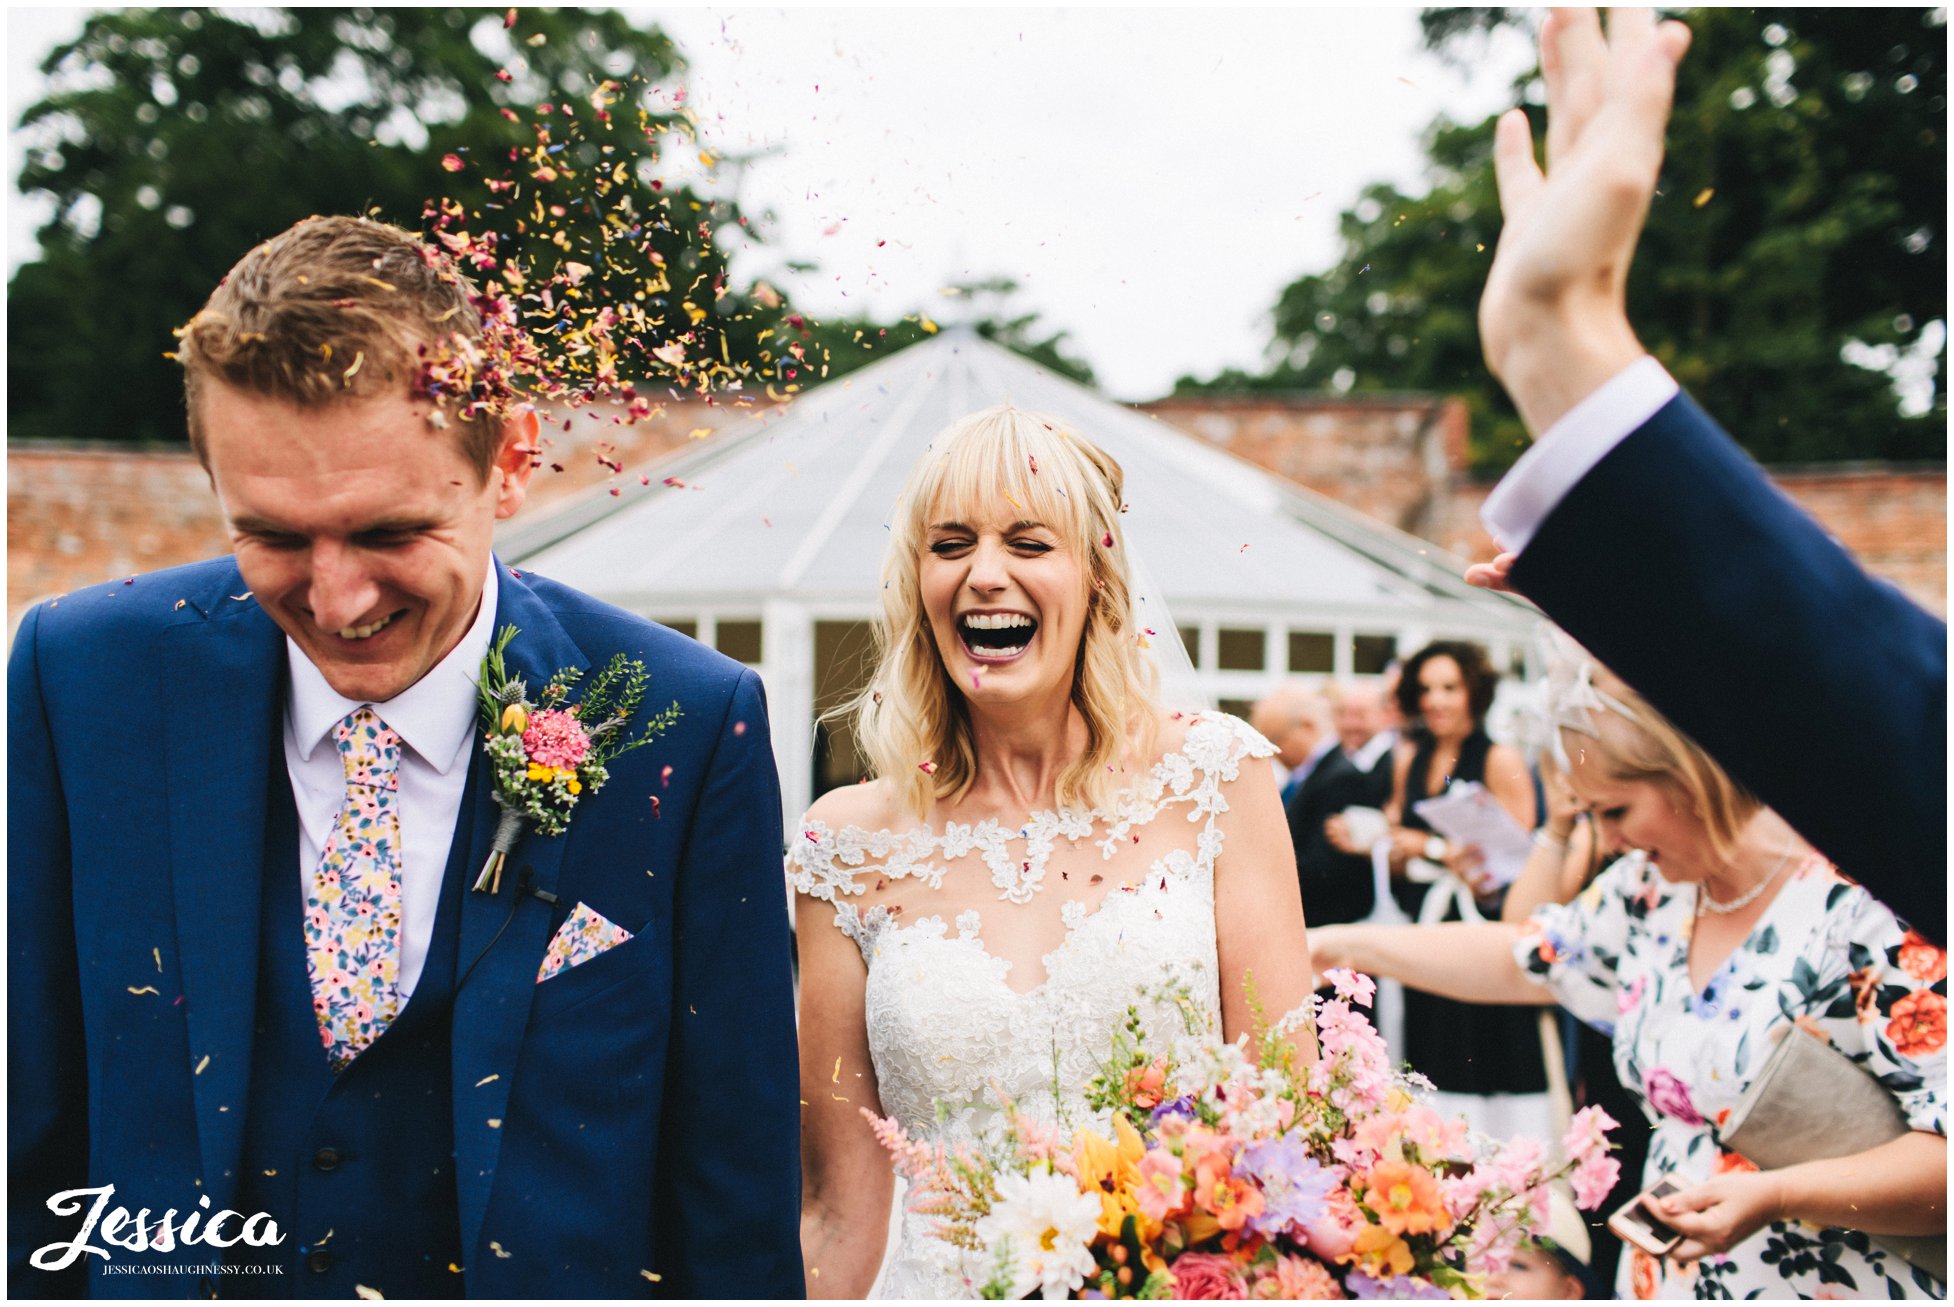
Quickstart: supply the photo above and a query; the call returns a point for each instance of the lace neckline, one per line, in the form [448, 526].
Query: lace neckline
[1191, 773]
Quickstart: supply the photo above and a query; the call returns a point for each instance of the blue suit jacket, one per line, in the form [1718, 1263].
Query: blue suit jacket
[1824, 690]
[638, 1113]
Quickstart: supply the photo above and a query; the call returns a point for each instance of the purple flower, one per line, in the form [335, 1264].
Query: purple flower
[1669, 1095]
[1294, 1185]
[1403, 1288]
[1182, 1107]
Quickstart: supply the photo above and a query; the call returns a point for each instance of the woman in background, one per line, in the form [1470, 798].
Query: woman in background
[1484, 1061]
[1717, 932]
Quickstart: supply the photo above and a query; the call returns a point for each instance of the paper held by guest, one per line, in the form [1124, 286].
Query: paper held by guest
[1467, 814]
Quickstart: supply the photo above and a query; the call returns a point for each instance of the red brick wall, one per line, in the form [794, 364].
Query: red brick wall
[1402, 458]
[79, 514]
[1391, 457]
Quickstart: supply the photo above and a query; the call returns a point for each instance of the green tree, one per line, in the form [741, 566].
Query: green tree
[173, 140]
[1796, 248]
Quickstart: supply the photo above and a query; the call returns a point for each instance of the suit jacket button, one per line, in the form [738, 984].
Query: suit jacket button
[319, 1261]
[328, 1159]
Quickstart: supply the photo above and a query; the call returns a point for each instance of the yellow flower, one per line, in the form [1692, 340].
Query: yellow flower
[576, 786]
[1385, 1250]
[1112, 1171]
[514, 720]
[538, 772]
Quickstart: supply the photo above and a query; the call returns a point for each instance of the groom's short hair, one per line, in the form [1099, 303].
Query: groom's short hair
[335, 307]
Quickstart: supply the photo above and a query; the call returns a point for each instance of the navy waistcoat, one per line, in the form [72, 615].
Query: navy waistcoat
[358, 1168]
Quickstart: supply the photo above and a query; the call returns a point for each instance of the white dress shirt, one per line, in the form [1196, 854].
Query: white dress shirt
[435, 719]
[1570, 448]
[1376, 747]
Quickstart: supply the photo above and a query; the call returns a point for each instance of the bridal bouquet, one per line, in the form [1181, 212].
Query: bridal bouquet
[1231, 1176]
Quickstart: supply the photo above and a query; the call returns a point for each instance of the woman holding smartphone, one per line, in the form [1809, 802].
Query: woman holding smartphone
[1715, 934]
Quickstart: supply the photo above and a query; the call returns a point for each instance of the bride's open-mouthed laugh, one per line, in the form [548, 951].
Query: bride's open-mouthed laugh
[1044, 844]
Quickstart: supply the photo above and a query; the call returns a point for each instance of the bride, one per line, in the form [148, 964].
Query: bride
[1042, 847]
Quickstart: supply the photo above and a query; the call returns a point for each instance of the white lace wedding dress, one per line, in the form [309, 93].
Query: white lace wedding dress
[1124, 896]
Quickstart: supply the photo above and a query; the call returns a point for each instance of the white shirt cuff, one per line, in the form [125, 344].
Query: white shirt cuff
[1570, 449]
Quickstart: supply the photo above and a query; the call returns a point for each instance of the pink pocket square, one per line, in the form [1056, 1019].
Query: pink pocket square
[583, 935]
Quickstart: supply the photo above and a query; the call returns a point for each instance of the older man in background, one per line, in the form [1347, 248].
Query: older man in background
[1294, 718]
[1356, 773]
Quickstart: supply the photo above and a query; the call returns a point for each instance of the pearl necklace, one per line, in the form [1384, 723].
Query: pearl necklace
[1704, 903]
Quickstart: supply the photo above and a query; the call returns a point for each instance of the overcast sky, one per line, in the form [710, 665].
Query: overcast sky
[1151, 177]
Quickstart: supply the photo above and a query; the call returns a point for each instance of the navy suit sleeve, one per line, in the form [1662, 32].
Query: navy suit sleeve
[47, 1099]
[729, 1177]
[1337, 886]
[1821, 688]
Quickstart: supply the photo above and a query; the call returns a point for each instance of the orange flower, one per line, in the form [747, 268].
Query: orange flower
[1144, 1083]
[1647, 1280]
[1230, 1201]
[1405, 1198]
[1922, 960]
[1728, 1162]
[1919, 1024]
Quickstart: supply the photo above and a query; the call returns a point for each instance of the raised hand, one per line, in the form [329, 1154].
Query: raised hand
[1494, 575]
[1553, 320]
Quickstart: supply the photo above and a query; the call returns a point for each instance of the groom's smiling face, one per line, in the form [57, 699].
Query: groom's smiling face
[360, 529]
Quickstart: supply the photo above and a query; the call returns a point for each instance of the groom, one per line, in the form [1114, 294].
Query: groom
[251, 985]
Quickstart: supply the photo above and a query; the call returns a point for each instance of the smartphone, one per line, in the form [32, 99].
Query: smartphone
[1636, 1224]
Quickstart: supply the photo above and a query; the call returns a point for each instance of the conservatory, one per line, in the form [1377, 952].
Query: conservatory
[766, 543]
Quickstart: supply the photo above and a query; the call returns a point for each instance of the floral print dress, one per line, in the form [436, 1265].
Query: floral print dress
[1825, 955]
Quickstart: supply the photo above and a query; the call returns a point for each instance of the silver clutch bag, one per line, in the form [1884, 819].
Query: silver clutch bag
[1810, 1102]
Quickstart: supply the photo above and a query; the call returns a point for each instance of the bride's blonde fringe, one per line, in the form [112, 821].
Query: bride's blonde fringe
[910, 713]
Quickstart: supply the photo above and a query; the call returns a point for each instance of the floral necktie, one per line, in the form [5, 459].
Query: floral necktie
[352, 914]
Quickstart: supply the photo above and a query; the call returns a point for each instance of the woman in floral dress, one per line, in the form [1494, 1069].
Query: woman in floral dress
[1719, 931]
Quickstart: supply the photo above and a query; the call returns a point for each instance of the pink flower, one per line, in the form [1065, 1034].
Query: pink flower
[1355, 1065]
[1352, 986]
[1594, 1177]
[555, 739]
[1587, 1132]
[1669, 1095]
[1518, 1164]
[1334, 1231]
[1626, 1000]
[1294, 1279]
[1159, 1193]
[1207, 1276]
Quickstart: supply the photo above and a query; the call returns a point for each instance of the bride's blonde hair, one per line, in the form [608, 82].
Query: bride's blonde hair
[911, 712]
